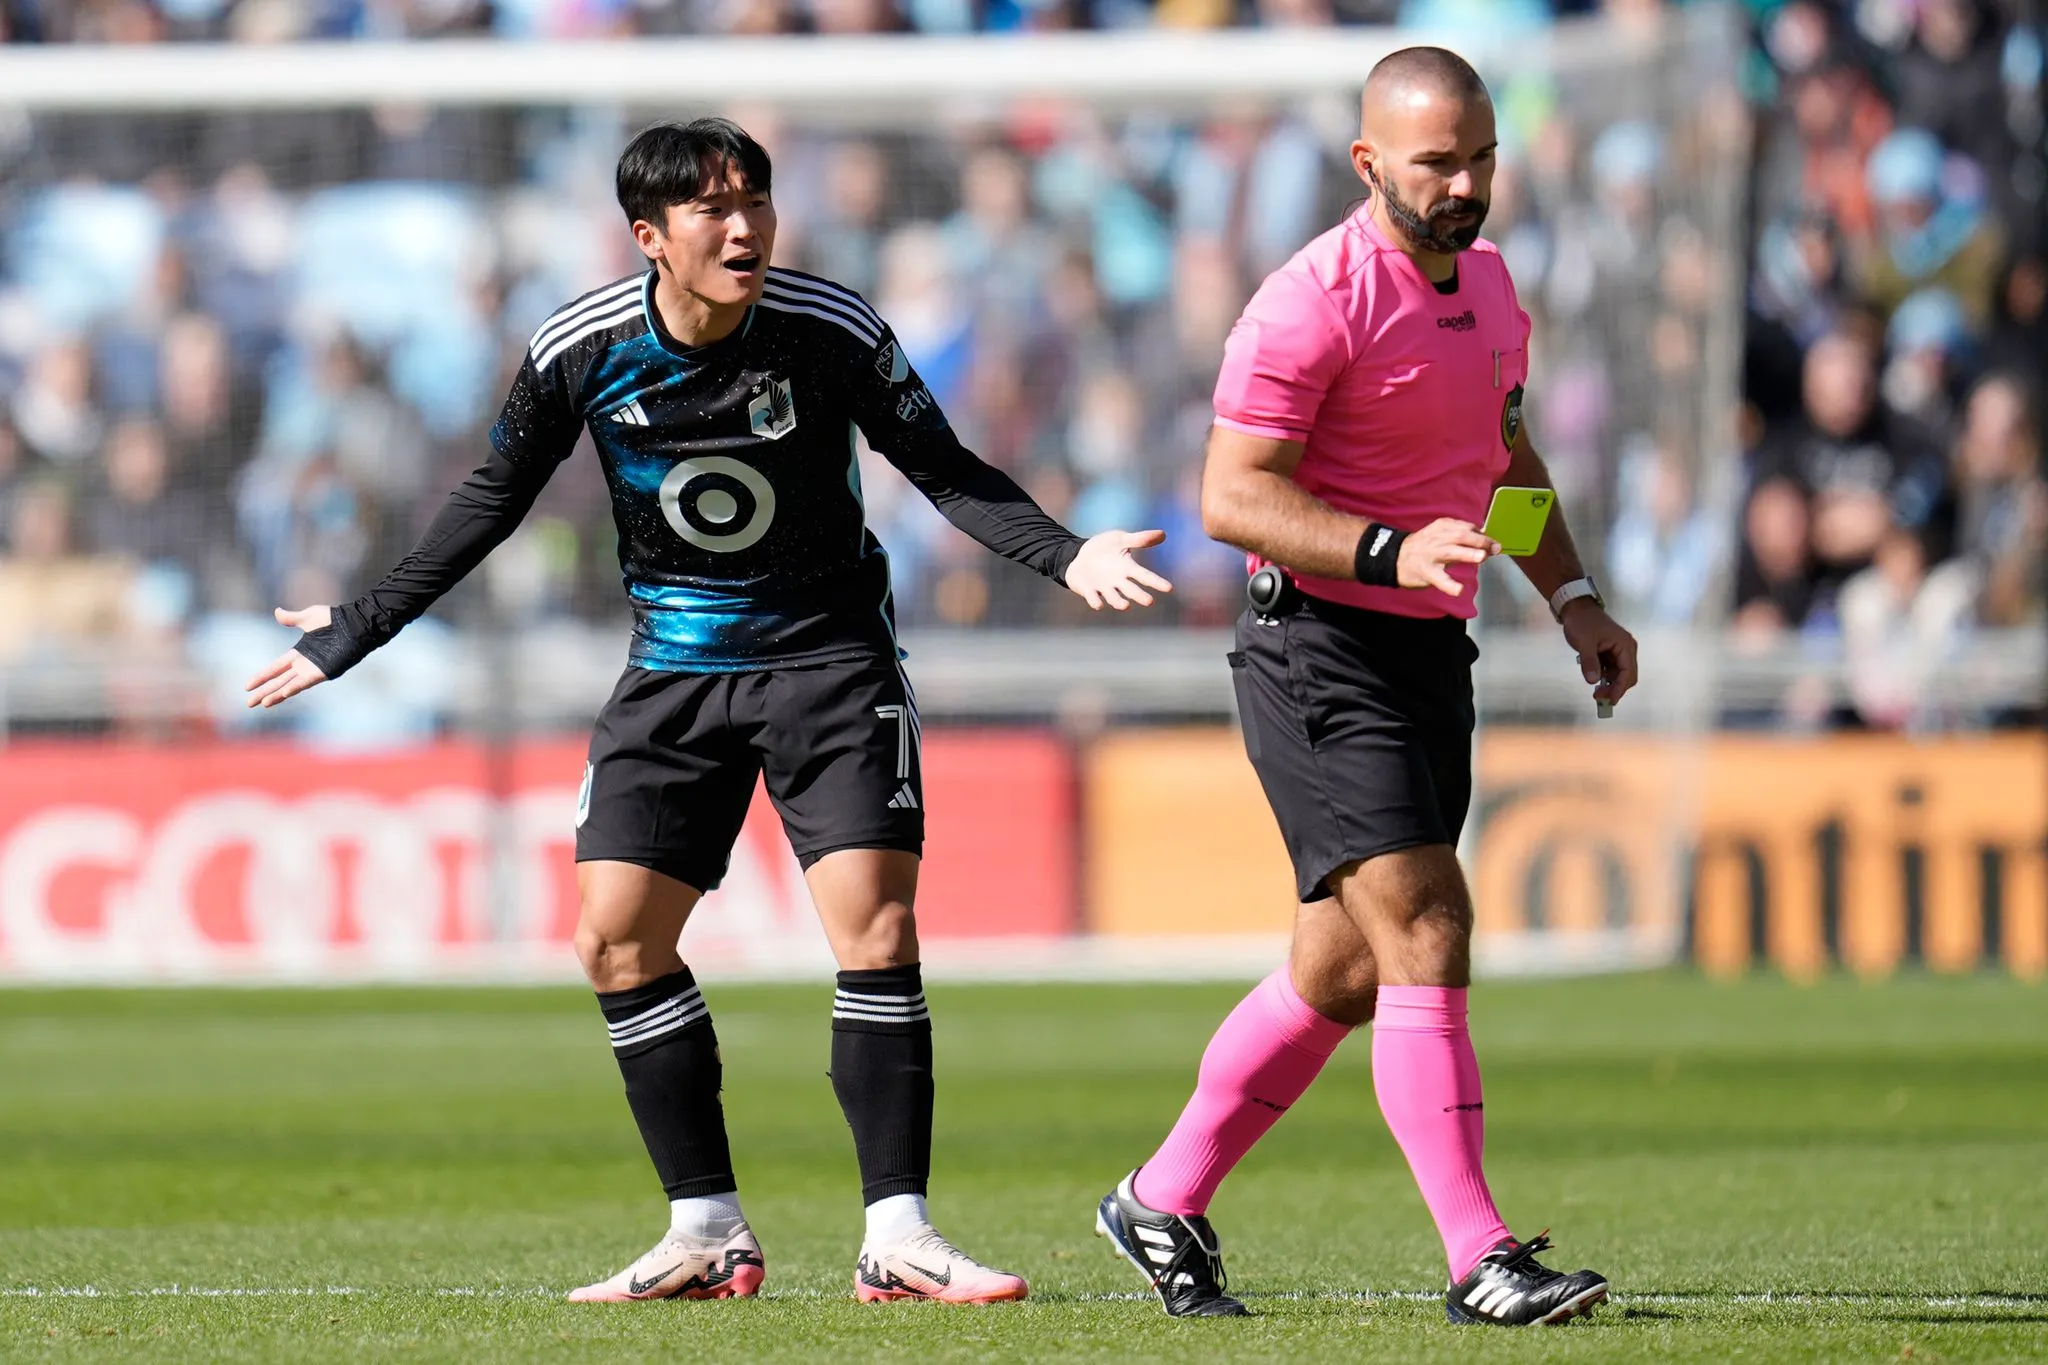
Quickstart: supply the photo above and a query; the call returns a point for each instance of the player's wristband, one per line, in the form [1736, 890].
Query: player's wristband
[333, 649]
[1377, 561]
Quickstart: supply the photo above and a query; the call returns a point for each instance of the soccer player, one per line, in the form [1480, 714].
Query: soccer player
[1370, 400]
[723, 397]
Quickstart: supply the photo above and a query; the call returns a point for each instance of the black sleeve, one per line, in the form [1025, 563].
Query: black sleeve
[902, 420]
[535, 432]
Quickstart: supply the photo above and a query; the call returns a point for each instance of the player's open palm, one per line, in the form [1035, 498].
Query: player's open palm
[1427, 554]
[1106, 574]
[291, 672]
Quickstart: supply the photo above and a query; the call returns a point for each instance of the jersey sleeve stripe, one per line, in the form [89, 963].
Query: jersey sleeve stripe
[795, 282]
[590, 306]
[592, 325]
[867, 323]
[782, 305]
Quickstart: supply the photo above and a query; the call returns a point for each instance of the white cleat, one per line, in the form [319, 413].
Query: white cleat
[729, 1267]
[927, 1266]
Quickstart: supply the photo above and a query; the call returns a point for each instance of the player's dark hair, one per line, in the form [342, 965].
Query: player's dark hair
[674, 163]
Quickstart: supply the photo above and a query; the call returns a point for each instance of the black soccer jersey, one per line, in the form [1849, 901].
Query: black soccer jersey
[733, 478]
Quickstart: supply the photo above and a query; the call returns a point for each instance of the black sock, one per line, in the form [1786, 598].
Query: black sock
[882, 1073]
[668, 1053]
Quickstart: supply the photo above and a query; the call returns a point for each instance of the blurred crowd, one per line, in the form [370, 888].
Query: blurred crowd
[1893, 497]
[270, 21]
[242, 357]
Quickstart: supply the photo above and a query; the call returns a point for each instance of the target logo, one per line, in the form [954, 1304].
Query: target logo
[717, 503]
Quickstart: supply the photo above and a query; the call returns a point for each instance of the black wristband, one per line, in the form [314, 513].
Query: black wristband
[1378, 558]
[333, 649]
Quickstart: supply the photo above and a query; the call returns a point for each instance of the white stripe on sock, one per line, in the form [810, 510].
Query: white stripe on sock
[689, 998]
[881, 1018]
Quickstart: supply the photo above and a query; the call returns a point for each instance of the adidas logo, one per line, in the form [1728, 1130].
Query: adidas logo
[632, 415]
[904, 800]
[1496, 1300]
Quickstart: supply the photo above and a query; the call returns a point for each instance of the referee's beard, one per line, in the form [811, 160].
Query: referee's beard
[1429, 231]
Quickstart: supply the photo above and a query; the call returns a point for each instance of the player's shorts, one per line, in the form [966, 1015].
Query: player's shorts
[675, 756]
[1360, 727]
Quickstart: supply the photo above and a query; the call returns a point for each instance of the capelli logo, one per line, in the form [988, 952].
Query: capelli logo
[1464, 322]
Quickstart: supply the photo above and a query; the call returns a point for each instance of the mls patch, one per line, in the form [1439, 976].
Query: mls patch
[891, 363]
[1511, 417]
[772, 416]
[583, 796]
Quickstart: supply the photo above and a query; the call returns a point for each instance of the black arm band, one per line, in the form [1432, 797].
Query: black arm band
[1377, 560]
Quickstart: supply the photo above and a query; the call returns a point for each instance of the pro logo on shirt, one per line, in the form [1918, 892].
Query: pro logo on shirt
[773, 414]
[1511, 417]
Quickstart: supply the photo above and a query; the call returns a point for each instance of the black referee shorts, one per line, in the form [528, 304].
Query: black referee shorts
[1360, 727]
[675, 756]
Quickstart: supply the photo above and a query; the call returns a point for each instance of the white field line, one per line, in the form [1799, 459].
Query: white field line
[1701, 1297]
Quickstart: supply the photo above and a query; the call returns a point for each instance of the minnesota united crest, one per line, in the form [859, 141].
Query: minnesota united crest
[772, 415]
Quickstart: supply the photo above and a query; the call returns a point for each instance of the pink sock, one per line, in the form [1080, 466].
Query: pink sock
[1427, 1081]
[1258, 1064]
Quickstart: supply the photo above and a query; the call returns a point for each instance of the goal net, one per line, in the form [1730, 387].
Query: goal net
[257, 310]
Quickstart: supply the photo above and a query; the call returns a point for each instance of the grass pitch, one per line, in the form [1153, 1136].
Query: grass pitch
[1765, 1172]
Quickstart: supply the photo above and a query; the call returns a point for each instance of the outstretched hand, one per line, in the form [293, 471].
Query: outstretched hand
[291, 672]
[1106, 574]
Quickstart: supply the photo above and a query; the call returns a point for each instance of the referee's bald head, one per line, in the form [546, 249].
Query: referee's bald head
[1425, 71]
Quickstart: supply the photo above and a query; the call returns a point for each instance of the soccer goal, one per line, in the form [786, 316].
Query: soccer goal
[258, 306]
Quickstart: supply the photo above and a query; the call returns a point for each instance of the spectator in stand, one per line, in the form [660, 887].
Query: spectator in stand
[843, 240]
[2019, 338]
[1950, 81]
[1927, 349]
[1774, 578]
[15, 474]
[209, 433]
[54, 411]
[1899, 624]
[55, 601]
[140, 514]
[2002, 503]
[1663, 546]
[1933, 227]
[1862, 466]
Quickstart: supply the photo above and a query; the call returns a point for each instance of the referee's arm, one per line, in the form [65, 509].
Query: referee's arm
[1607, 653]
[1250, 500]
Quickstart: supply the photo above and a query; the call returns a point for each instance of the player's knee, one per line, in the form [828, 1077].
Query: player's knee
[1447, 917]
[1347, 995]
[611, 963]
[888, 938]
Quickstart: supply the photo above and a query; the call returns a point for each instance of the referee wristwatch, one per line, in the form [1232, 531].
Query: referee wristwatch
[1572, 592]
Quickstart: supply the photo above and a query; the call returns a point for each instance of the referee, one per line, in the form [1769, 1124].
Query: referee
[1369, 402]
[722, 395]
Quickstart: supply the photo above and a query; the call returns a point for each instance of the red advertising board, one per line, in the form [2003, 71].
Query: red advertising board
[131, 862]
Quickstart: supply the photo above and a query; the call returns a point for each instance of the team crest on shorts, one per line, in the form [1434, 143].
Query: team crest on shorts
[1511, 417]
[772, 415]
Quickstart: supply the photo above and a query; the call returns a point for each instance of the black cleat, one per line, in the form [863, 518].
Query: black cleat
[1177, 1254]
[1508, 1288]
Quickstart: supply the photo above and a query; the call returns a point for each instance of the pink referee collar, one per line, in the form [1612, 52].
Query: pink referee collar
[1361, 218]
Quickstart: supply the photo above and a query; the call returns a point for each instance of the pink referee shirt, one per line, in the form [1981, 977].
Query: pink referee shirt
[1407, 400]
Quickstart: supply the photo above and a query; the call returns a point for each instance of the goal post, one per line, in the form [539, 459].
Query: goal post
[290, 280]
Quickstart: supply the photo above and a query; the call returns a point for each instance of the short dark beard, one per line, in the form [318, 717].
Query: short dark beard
[1431, 233]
